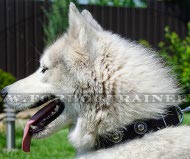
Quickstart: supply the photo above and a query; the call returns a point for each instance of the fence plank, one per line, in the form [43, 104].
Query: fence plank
[20, 39]
[38, 30]
[3, 58]
[10, 36]
[29, 34]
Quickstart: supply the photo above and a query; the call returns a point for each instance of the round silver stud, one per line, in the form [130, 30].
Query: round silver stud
[116, 137]
[140, 127]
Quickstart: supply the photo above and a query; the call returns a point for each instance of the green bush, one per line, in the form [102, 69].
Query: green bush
[176, 53]
[5, 79]
[57, 19]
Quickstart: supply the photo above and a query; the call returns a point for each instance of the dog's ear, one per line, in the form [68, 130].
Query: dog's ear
[88, 17]
[79, 28]
[76, 20]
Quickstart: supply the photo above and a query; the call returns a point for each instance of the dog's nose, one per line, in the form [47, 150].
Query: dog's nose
[3, 92]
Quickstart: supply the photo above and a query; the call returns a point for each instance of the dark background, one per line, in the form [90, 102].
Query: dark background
[22, 36]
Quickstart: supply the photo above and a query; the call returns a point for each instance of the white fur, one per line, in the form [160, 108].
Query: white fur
[88, 60]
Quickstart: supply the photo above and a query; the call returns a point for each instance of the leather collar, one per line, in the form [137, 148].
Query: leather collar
[139, 128]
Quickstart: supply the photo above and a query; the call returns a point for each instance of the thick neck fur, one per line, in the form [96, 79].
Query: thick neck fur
[107, 68]
[129, 73]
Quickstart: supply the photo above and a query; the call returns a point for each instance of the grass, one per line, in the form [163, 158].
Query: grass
[186, 120]
[54, 147]
[57, 145]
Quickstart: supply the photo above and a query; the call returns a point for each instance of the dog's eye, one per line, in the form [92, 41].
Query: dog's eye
[44, 69]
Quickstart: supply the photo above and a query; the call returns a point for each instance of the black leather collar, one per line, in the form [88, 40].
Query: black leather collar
[139, 128]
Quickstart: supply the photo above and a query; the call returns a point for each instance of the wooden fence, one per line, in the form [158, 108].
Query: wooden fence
[21, 28]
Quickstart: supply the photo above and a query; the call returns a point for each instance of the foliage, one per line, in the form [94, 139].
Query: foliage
[128, 3]
[5, 79]
[176, 52]
[180, 59]
[57, 19]
[145, 43]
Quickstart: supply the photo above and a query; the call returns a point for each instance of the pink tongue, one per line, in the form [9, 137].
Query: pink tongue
[27, 135]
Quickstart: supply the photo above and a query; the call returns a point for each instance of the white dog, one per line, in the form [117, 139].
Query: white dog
[96, 68]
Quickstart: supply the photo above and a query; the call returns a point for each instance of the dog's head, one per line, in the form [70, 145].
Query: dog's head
[80, 78]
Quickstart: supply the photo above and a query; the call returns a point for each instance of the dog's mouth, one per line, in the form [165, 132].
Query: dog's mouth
[39, 121]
